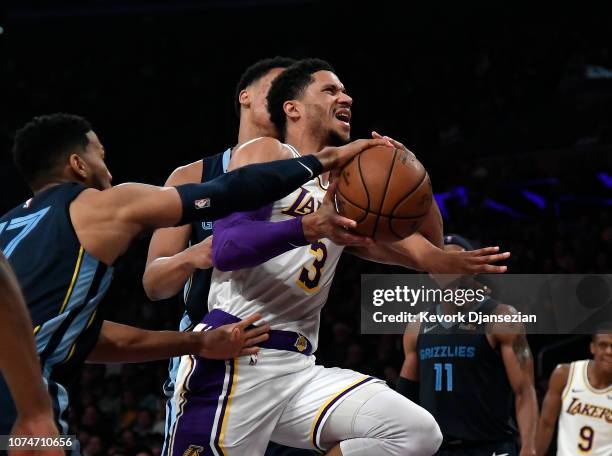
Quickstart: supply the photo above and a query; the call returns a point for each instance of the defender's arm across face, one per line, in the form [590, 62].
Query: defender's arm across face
[106, 221]
[249, 239]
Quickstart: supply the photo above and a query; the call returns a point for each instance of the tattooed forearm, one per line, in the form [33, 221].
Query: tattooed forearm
[521, 350]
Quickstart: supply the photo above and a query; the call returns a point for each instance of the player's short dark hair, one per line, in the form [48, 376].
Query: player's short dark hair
[45, 142]
[602, 328]
[289, 85]
[257, 71]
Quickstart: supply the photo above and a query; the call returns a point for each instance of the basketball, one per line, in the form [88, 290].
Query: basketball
[387, 191]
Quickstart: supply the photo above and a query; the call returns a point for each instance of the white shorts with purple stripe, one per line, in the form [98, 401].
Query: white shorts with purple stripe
[234, 408]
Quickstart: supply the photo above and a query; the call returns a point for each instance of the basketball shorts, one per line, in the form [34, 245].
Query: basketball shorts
[235, 407]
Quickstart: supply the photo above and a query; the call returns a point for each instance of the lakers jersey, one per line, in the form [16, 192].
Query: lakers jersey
[585, 422]
[62, 285]
[290, 289]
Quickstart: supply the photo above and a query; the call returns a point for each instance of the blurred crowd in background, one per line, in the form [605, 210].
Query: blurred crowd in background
[511, 113]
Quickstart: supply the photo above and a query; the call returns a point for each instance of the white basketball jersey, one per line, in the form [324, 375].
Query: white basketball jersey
[585, 422]
[290, 289]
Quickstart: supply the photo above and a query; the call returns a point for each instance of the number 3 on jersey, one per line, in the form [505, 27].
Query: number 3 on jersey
[311, 276]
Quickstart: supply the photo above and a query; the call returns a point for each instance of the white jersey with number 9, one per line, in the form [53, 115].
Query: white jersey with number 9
[585, 422]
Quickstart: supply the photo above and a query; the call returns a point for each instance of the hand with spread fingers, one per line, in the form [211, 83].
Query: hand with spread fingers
[480, 261]
[391, 141]
[232, 340]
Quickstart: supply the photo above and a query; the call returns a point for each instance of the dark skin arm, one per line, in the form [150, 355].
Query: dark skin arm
[518, 362]
[410, 368]
[416, 252]
[551, 407]
[171, 261]
[107, 221]
[423, 251]
[19, 363]
[125, 344]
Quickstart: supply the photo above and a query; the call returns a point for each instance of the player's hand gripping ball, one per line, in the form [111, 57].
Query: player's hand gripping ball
[387, 191]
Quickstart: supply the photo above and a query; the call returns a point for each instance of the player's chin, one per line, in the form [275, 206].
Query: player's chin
[339, 137]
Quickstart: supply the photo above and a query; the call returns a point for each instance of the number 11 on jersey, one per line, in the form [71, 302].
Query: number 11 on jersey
[440, 370]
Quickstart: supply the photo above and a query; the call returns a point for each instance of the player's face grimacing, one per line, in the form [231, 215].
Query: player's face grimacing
[329, 107]
[258, 92]
[98, 175]
[601, 349]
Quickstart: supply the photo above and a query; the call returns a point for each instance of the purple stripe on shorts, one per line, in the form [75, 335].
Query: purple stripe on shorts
[331, 404]
[232, 364]
[196, 411]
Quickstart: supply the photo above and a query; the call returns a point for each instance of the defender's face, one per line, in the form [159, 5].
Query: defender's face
[328, 107]
[601, 349]
[259, 104]
[99, 176]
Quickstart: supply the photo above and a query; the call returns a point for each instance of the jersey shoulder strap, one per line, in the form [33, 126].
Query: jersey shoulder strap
[575, 371]
[215, 165]
[292, 149]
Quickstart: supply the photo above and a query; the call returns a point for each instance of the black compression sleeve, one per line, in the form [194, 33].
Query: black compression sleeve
[408, 388]
[246, 189]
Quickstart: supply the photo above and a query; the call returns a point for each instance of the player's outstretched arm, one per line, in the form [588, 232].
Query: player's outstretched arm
[518, 362]
[119, 343]
[408, 381]
[551, 407]
[416, 252]
[107, 221]
[171, 261]
[19, 363]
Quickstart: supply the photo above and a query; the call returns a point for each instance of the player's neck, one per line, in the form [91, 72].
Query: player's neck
[39, 189]
[597, 378]
[249, 130]
[304, 142]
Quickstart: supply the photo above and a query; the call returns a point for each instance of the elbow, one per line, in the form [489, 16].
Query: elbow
[219, 260]
[229, 256]
[151, 288]
[221, 263]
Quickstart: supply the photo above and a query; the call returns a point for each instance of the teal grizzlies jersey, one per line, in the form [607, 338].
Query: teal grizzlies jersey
[62, 285]
[196, 290]
[463, 382]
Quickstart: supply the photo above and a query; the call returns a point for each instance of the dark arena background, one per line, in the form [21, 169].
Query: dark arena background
[508, 108]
